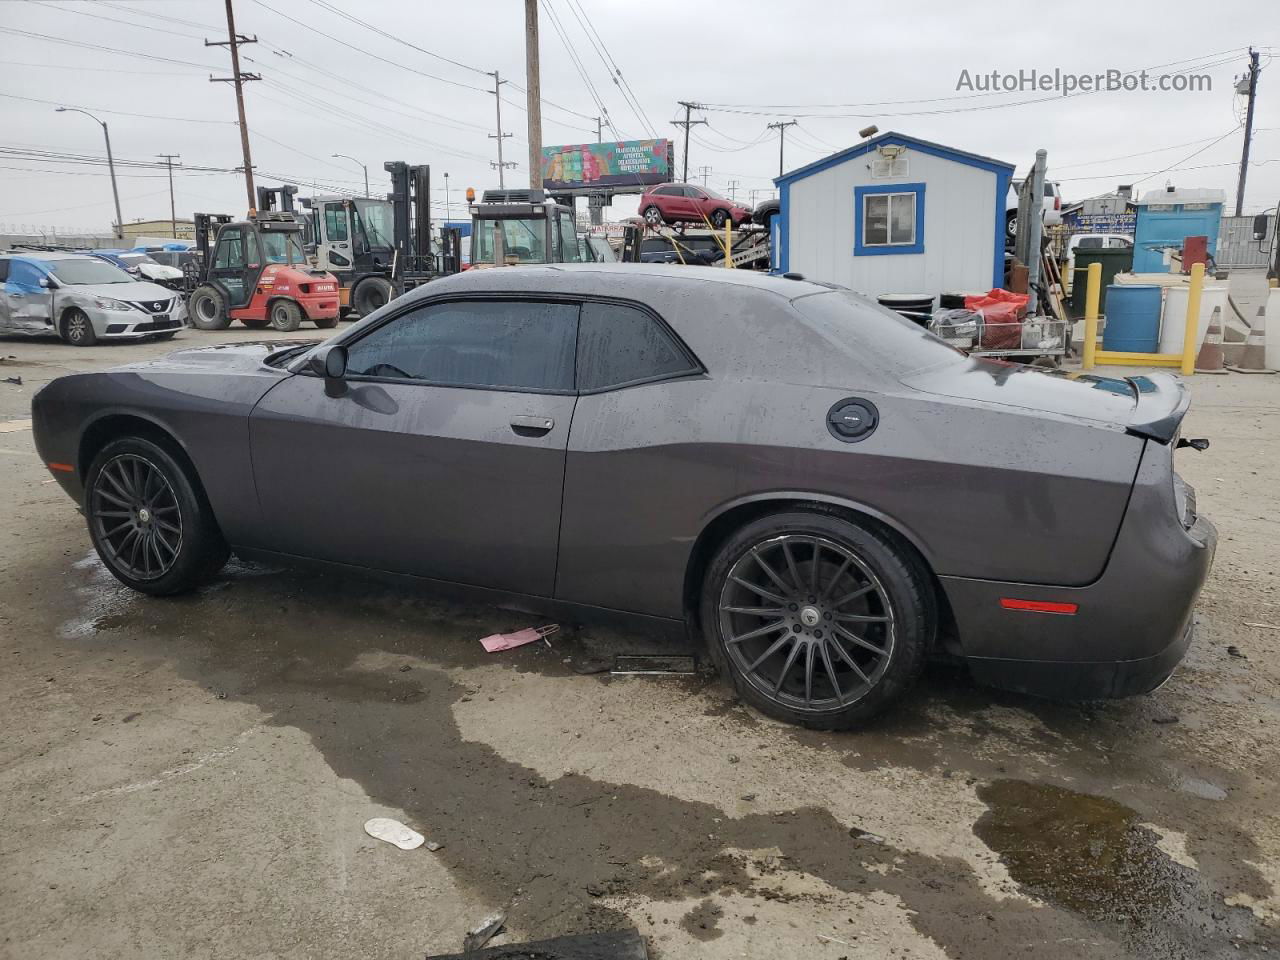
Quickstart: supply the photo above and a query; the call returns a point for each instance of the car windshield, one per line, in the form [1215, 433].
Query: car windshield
[711, 193]
[891, 342]
[282, 247]
[75, 272]
[132, 260]
[375, 216]
[523, 241]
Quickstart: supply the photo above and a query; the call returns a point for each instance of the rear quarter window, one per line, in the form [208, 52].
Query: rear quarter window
[618, 344]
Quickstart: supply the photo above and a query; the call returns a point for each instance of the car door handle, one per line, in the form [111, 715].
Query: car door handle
[532, 426]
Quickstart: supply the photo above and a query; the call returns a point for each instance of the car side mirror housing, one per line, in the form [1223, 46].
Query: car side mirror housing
[331, 363]
[44, 282]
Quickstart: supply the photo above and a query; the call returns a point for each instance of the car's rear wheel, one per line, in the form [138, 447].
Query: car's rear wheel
[285, 316]
[816, 620]
[149, 524]
[718, 218]
[652, 216]
[208, 308]
[77, 328]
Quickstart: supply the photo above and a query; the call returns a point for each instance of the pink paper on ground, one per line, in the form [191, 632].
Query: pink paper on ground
[505, 641]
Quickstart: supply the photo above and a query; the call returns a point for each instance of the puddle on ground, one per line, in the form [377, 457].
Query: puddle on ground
[1093, 856]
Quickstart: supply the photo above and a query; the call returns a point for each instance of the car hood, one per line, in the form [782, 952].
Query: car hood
[1148, 406]
[158, 271]
[131, 292]
[246, 357]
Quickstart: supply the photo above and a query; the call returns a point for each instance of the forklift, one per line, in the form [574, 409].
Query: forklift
[378, 248]
[256, 271]
[512, 227]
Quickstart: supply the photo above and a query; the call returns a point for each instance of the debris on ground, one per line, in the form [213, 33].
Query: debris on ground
[505, 641]
[16, 381]
[614, 945]
[654, 663]
[1234, 651]
[433, 846]
[483, 932]
[394, 832]
[1264, 626]
[865, 836]
[592, 665]
[1165, 718]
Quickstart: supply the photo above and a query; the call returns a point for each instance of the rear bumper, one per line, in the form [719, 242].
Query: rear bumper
[1131, 627]
[1087, 680]
[320, 307]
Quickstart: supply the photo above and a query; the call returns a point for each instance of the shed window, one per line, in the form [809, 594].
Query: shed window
[888, 219]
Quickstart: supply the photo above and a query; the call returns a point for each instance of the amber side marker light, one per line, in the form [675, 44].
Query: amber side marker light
[1038, 606]
[62, 467]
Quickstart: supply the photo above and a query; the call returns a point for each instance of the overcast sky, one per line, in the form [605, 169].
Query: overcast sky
[835, 67]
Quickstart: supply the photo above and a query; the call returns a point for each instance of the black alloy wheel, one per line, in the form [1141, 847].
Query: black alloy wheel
[136, 518]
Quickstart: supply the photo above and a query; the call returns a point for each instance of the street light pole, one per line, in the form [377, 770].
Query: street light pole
[448, 216]
[343, 156]
[111, 163]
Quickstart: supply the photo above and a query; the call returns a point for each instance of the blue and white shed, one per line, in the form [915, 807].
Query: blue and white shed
[896, 214]
[1167, 217]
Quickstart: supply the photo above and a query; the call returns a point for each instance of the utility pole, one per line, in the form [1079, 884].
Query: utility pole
[599, 129]
[687, 123]
[781, 127]
[168, 159]
[234, 41]
[533, 87]
[705, 174]
[733, 189]
[499, 136]
[111, 163]
[1248, 127]
[448, 214]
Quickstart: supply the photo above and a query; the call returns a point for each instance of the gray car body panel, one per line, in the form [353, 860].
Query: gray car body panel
[1001, 477]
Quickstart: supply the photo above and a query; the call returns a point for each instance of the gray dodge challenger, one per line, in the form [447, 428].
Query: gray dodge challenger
[822, 491]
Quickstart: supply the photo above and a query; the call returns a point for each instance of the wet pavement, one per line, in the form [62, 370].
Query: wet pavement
[190, 776]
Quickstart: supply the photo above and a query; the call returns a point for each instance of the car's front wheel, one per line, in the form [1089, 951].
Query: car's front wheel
[719, 218]
[77, 328]
[816, 620]
[149, 524]
[652, 216]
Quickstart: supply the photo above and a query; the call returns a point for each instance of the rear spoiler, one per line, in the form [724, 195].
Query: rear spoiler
[1161, 401]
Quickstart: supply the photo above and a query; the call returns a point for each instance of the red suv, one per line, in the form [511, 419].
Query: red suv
[684, 202]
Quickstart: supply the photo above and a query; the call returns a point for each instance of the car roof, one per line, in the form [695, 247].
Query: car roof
[46, 255]
[601, 278]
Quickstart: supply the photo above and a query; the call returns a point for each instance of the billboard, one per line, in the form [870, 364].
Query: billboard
[624, 163]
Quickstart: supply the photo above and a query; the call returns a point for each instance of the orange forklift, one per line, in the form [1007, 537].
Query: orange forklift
[256, 271]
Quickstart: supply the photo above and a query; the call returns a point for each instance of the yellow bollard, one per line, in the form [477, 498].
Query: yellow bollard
[1191, 335]
[1092, 293]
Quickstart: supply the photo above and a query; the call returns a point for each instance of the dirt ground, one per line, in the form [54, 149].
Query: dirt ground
[189, 777]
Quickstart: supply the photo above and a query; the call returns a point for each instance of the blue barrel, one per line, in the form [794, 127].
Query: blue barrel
[1133, 318]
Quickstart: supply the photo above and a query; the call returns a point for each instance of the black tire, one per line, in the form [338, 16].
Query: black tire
[325, 323]
[370, 294]
[1010, 226]
[255, 323]
[160, 337]
[77, 329]
[169, 522]
[652, 216]
[891, 606]
[284, 316]
[718, 218]
[207, 308]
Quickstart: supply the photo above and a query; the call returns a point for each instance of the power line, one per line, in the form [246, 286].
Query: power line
[610, 66]
[390, 36]
[105, 49]
[578, 66]
[118, 113]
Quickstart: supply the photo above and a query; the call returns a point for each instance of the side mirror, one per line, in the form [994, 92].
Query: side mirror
[44, 282]
[331, 363]
[1260, 226]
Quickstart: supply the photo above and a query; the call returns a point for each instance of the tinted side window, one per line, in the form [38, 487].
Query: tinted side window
[618, 344]
[230, 253]
[4, 270]
[499, 344]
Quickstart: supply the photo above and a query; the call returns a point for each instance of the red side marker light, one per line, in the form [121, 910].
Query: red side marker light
[62, 467]
[1038, 606]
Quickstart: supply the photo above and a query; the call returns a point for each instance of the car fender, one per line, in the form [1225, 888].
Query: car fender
[792, 496]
